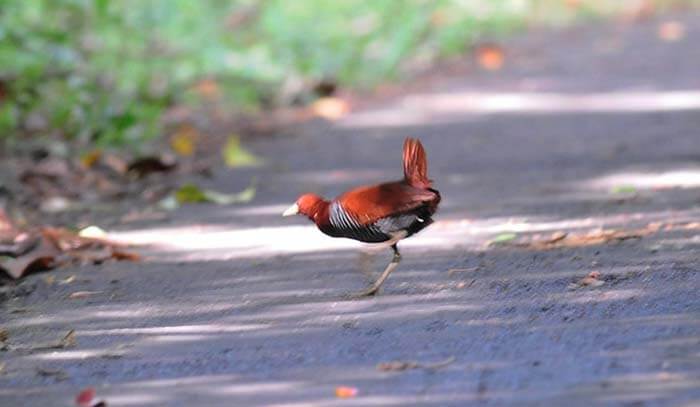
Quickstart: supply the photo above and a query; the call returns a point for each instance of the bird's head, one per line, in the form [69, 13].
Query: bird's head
[308, 204]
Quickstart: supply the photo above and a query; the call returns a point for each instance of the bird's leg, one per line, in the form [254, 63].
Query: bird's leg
[378, 283]
[365, 261]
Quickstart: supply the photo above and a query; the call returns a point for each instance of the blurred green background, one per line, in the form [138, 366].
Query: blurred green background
[101, 72]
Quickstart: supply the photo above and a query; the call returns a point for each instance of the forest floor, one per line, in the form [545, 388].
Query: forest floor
[563, 267]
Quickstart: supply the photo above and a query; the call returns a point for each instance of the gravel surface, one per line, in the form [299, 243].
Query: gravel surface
[587, 128]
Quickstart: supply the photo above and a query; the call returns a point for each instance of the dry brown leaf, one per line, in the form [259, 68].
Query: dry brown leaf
[94, 255]
[4, 335]
[56, 246]
[184, 140]
[144, 166]
[83, 294]
[42, 257]
[462, 270]
[208, 88]
[330, 108]
[345, 392]
[490, 57]
[68, 341]
[115, 163]
[57, 373]
[592, 238]
[592, 280]
[124, 255]
[671, 31]
[398, 365]
[89, 159]
[8, 230]
[21, 244]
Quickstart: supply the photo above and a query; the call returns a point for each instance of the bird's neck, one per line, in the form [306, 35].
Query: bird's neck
[320, 215]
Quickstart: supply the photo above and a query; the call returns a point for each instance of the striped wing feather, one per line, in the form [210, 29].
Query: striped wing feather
[370, 204]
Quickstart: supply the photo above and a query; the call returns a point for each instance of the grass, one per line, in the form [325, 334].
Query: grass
[103, 72]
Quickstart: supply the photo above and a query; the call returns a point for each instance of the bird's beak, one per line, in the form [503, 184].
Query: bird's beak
[292, 210]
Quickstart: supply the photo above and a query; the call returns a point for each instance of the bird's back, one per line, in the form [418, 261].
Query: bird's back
[377, 213]
[386, 211]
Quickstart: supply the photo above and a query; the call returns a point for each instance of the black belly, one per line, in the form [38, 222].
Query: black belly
[384, 229]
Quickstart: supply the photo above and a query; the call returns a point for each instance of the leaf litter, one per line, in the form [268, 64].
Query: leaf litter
[594, 237]
[59, 246]
[399, 365]
[65, 342]
[592, 280]
[345, 392]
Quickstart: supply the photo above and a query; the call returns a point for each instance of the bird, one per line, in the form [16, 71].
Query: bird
[381, 214]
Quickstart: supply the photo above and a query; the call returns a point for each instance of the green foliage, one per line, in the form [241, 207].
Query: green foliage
[100, 71]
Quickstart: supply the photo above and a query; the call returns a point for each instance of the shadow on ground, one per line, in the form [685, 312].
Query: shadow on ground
[237, 306]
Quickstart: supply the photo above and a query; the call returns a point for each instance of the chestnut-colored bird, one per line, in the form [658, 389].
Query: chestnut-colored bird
[383, 213]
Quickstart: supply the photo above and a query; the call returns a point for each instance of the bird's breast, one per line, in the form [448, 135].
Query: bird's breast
[343, 224]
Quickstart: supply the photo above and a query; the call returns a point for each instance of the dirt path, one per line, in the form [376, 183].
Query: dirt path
[586, 128]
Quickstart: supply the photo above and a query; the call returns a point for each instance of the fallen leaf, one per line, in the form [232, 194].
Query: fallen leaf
[207, 88]
[93, 232]
[624, 189]
[592, 238]
[462, 270]
[345, 392]
[124, 255]
[91, 255]
[115, 163]
[190, 193]
[330, 108]
[490, 56]
[67, 280]
[8, 230]
[57, 204]
[235, 155]
[89, 159]
[68, 341]
[83, 294]
[4, 335]
[395, 366]
[503, 238]
[147, 165]
[592, 280]
[42, 257]
[21, 244]
[184, 140]
[244, 196]
[464, 284]
[169, 203]
[671, 31]
[56, 373]
[556, 237]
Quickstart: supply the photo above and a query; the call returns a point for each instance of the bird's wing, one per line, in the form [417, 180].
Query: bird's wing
[369, 205]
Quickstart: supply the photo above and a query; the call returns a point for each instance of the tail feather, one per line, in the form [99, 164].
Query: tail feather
[415, 164]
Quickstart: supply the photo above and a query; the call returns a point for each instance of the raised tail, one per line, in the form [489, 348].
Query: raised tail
[415, 164]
